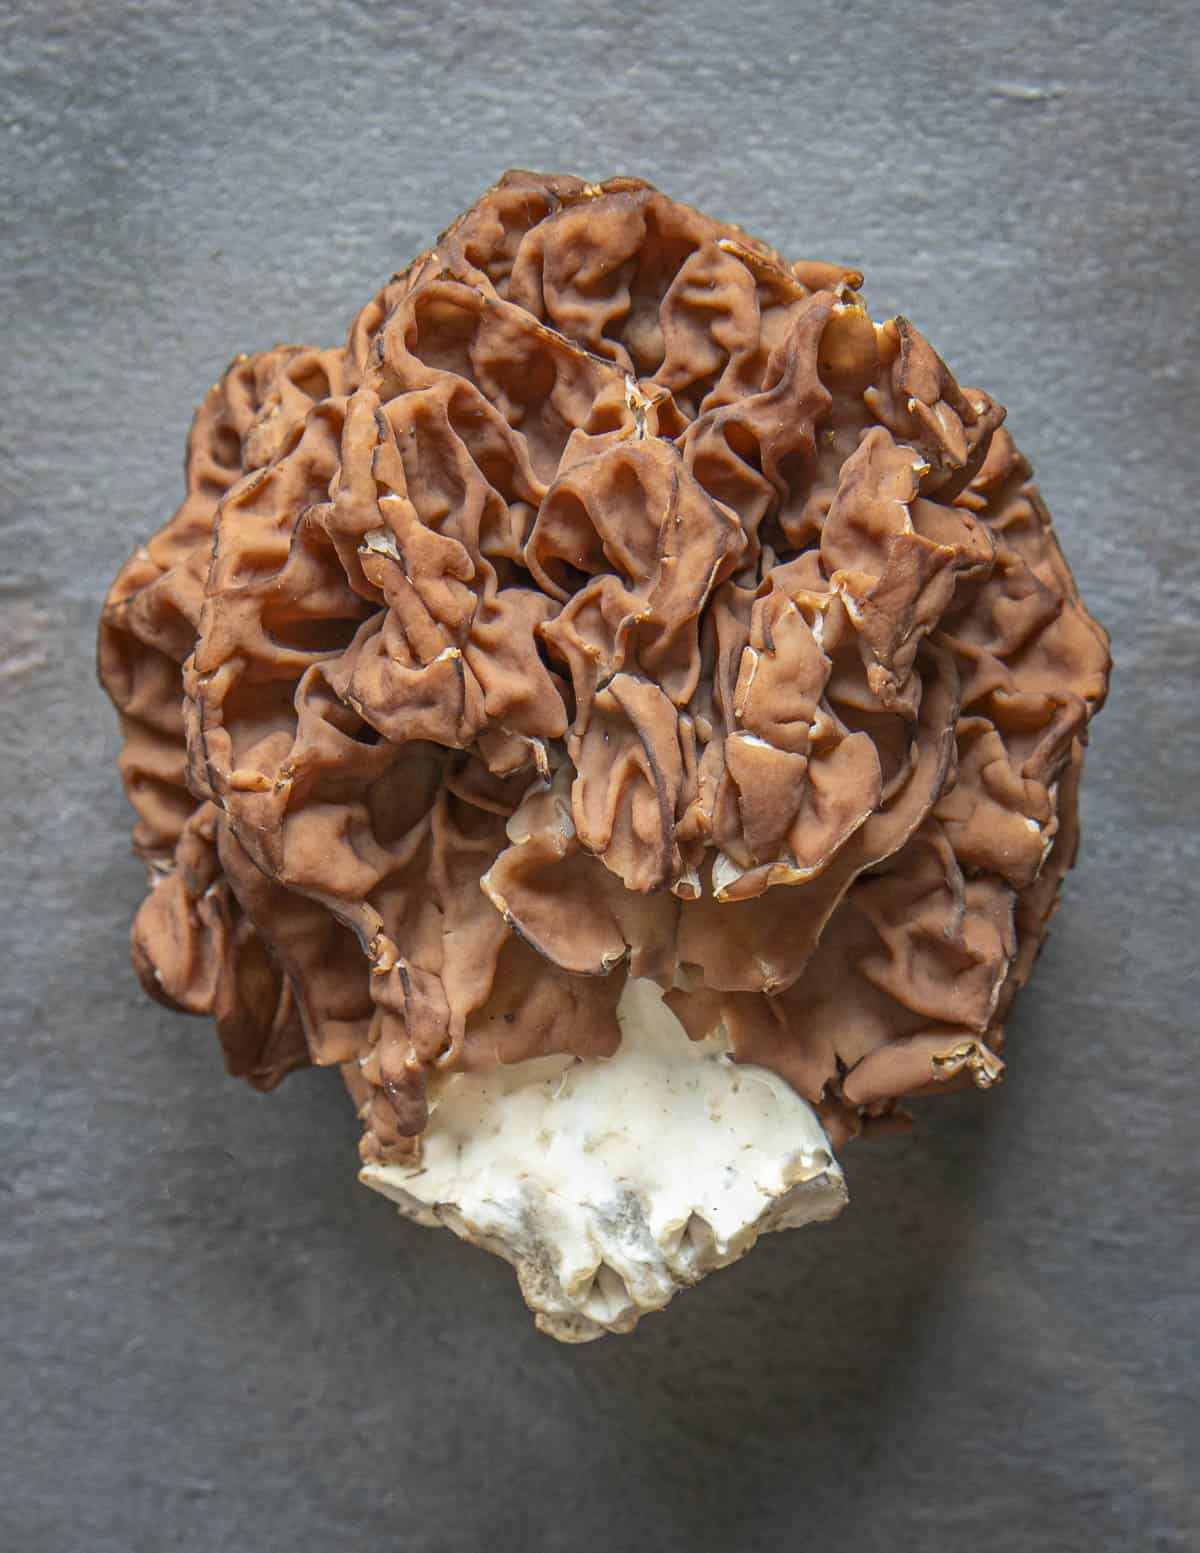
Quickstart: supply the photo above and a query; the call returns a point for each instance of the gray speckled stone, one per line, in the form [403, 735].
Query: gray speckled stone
[213, 1339]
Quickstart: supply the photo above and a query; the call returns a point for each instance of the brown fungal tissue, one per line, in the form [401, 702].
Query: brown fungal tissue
[619, 601]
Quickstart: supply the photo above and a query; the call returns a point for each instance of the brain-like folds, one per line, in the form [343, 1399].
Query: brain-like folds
[620, 600]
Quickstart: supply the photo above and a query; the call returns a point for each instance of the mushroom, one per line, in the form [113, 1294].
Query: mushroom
[625, 709]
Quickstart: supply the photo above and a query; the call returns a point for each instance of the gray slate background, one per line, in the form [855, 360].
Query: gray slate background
[213, 1339]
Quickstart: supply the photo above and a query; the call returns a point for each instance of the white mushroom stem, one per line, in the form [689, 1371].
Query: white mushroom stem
[610, 1184]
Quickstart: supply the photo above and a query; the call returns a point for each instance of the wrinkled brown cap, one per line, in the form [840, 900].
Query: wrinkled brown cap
[621, 600]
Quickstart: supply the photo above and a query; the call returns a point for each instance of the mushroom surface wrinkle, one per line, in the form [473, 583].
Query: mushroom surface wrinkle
[626, 709]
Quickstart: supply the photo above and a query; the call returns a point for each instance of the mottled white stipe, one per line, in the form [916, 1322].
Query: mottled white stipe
[612, 1183]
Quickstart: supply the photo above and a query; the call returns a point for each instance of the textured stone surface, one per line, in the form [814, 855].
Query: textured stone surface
[212, 1337]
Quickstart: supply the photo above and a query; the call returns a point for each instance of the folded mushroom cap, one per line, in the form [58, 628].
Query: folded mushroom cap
[621, 636]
